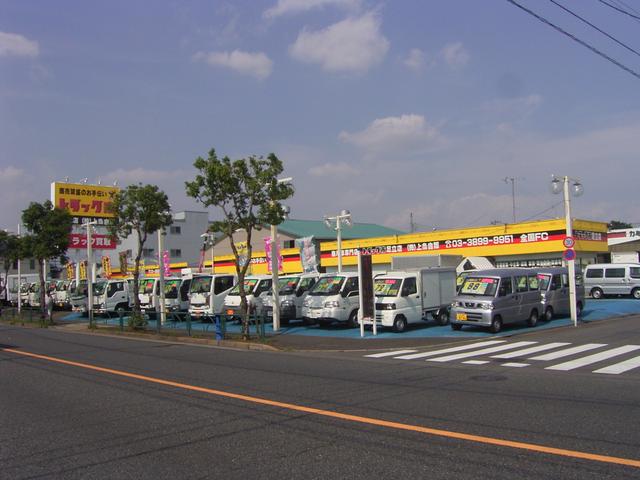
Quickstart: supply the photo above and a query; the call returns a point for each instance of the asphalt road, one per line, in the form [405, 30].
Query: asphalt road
[70, 421]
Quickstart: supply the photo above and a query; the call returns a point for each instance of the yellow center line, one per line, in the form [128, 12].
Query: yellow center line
[345, 416]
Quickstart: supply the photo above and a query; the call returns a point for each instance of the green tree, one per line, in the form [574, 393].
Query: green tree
[10, 252]
[249, 196]
[618, 225]
[143, 210]
[48, 237]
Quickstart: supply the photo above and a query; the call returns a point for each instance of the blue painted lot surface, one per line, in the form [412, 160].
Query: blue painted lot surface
[595, 310]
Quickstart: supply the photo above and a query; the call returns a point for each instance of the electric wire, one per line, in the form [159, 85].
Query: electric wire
[621, 10]
[595, 27]
[542, 212]
[576, 39]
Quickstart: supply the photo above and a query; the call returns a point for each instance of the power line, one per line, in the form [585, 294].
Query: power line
[542, 212]
[621, 10]
[573, 37]
[593, 26]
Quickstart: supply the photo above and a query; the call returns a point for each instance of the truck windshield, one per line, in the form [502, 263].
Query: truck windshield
[249, 285]
[327, 286]
[81, 288]
[99, 288]
[171, 288]
[146, 286]
[61, 286]
[480, 286]
[200, 284]
[287, 285]
[386, 287]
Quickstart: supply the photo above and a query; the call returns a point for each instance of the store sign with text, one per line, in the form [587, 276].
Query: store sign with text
[99, 242]
[82, 200]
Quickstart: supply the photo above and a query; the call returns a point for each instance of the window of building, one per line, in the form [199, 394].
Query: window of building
[32, 264]
[147, 252]
[289, 244]
[175, 253]
[175, 230]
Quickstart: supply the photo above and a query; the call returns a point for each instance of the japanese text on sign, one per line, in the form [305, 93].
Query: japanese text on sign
[84, 200]
[104, 242]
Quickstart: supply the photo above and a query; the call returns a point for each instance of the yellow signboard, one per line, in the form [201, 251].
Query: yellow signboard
[83, 200]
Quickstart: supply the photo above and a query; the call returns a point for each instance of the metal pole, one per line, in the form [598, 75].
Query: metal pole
[274, 278]
[163, 313]
[19, 280]
[513, 197]
[339, 232]
[211, 240]
[571, 264]
[89, 274]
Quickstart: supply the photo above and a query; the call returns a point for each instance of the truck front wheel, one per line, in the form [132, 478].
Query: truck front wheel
[353, 319]
[443, 317]
[399, 324]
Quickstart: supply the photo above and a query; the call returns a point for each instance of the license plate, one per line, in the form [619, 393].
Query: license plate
[461, 316]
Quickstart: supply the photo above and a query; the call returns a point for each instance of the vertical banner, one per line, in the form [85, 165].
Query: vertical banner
[243, 251]
[122, 256]
[271, 250]
[166, 263]
[309, 257]
[367, 312]
[106, 266]
[83, 270]
[71, 271]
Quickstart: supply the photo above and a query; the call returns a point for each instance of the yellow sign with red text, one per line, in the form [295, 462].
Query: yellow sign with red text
[82, 200]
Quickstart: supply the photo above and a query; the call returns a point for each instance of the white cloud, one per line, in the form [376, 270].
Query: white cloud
[257, 65]
[15, 45]
[455, 55]
[337, 170]
[352, 45]
[285, 7]
[512, 110]
[415, 60]
[403, 134]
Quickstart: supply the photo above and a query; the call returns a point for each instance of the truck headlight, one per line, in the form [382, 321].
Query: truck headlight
[287, 303]
[486, 305]
[456, 304]
[388, 306]
[331, 304]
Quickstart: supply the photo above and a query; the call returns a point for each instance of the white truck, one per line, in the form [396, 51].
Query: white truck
[255, 287]
[334, 298]
[207, 293]
[79, 297]
[411, 296]
[292, 290]
[61, 294]
[149, 296]
[176, 294]
[111, 296]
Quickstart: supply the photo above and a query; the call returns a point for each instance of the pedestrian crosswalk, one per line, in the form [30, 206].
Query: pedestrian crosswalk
[625, 358]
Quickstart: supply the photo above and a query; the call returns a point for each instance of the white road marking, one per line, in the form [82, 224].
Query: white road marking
[515, 364]
[621, 367]
[389, 354]
[529, 351]
[477, 353]
[596, 357]
[476, 362]
[568, 351]
[450, 350]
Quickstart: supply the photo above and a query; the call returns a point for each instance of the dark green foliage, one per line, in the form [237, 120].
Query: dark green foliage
[618, 225]
[249, 196]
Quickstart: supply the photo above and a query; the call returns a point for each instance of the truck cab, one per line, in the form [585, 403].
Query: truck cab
[335, 297]
[111, 296]
[79, 297]
[61, 294]
[293, 290]
[149, 295]
[176, 294]
[254, 286]
[207, 293]
[406, 297]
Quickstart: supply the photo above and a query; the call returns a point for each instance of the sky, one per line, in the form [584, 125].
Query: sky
[388, 109]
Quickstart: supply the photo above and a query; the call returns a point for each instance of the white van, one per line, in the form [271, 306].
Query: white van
[254, 287]
[496, 297]
[207, 293]
[334, 298]
[554, 291]
[602, 279]
[292, 289]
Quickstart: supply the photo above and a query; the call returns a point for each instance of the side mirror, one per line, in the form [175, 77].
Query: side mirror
[502, 292]
[299, 292]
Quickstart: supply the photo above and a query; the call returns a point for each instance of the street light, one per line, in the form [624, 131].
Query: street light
[209, 239]
[274, 264]
[163, 312]
[338, 220]
[562, 185]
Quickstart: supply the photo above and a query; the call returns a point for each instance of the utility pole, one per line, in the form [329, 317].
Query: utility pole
[513, 193]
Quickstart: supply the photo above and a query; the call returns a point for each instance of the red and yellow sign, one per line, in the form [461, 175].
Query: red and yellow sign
[106, 266]
[99, 242]
[82, 200]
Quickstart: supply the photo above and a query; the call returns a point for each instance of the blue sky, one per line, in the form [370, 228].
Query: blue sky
[383, 108]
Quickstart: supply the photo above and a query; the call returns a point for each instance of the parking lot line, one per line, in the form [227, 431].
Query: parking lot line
[389, 354]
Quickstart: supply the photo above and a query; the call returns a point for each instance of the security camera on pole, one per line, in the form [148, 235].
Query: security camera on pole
[335, 223]
[562, 185]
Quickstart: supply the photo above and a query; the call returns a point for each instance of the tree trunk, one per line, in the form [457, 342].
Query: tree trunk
[43, 307]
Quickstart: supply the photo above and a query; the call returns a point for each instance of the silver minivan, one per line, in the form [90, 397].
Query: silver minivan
[554, 290]
[496, 297]
[612, 279]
